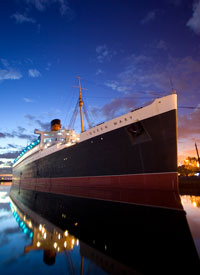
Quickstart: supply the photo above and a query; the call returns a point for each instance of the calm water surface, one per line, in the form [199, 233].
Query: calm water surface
[30, 244]
[191, 205]
[25, 249]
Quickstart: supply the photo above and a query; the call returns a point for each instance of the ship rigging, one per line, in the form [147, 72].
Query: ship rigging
[82, 108]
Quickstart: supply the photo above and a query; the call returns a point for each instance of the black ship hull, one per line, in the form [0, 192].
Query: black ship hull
[116, 166]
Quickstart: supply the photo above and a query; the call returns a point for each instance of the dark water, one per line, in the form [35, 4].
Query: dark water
[154, 242]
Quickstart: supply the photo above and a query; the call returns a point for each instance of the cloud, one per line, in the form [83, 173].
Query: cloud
[2, 135]
[38, 4]
[34, 73]
[17, 134]
[189, 124]
[115, 107]
[7, 72]
[98, 72]
[10, 74]
[28, 100]
[29, 117]
[149, 17]
[188, 133]
[114, 85]
[65, 9]
[194, 22]
[103, 53]
[10, 155]
[44, 125]
[14, 146]
[145, 73]
[162, 45]
[24, 136]
[48, 66]
[21, 18]
[42, 5]
[5, 62]
[139, 59]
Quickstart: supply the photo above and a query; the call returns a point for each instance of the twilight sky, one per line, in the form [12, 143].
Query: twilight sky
[126, 52]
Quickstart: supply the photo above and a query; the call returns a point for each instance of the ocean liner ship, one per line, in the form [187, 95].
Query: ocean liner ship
[129, 159]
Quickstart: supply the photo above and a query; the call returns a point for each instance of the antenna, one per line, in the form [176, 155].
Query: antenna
[171, 84]
[197, 153]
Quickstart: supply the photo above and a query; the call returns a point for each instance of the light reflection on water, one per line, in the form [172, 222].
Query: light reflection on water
[191, 205]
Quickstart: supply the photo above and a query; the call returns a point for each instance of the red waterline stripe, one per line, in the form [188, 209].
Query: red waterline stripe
[149, 189]
[159, 181]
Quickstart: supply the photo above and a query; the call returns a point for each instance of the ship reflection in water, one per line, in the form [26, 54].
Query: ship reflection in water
[145, 240]
[44, 235]
[49, 239]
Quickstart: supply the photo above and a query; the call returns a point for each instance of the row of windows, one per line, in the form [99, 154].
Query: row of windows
[115, 123]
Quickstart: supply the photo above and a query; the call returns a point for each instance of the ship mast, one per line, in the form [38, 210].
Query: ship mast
[80, 104]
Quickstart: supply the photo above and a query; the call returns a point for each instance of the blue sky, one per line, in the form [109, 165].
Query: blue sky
[126, 52]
